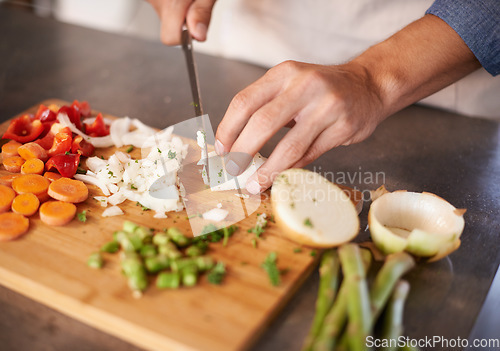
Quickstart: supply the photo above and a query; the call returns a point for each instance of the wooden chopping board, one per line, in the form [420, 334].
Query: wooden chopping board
[49, 265]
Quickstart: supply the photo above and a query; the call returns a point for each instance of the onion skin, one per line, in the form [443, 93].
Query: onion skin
[445, 251]
[433, 244]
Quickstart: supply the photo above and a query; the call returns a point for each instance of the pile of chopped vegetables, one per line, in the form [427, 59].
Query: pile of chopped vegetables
[41, 156]
[51, 144]
[122, 178]
[169, 255]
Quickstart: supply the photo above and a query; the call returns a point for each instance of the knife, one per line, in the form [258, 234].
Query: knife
[187, 47]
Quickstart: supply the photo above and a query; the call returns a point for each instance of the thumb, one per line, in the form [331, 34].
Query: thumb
[198, 18]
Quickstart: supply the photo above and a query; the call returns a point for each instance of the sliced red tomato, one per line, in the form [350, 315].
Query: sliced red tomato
[44, 114]
[82, 147]
[83, 107]
[24, 129]
[73, 115]
[98, 128]
[65, 164]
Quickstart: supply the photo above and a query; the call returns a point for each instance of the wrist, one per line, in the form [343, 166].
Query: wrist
[421, 59]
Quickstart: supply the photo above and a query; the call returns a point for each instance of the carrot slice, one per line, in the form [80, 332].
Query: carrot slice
[12, 226]
[32, 183]
[33, 166]
[6, 197]
[52, 176]
[7, 179]
[32, 150]
[13, 164]
[57, 212]
[68, 190]
[25, 204]
[10, 149]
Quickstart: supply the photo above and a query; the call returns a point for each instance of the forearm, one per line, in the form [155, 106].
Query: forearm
[422, 58]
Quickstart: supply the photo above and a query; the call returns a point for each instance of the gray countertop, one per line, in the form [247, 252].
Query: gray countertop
[419, 149]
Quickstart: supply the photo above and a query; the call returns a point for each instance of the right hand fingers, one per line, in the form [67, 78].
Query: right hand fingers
[198, 18]
[242, 107]
[174, 13]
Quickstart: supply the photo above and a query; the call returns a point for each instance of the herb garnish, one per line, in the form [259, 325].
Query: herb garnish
[308, 223]
[260, 225]
[144, 208]
[82, 216]
[216, 274]
[269, 265]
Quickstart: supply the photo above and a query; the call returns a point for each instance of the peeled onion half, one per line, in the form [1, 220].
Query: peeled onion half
[420, 223]
[311, 210]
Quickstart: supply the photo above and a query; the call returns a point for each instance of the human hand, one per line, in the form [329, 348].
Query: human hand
[174, 13]
[328, 106]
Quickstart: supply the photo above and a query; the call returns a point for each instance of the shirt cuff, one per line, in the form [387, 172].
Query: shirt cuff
[478, 24]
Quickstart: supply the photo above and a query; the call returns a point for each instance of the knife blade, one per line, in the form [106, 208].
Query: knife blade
[187, 47]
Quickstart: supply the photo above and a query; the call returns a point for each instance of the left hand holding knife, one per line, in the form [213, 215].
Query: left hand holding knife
[174, 13]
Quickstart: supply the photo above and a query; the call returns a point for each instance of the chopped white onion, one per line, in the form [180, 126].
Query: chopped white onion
[215, 214]
[112, 211]
[136, 180]
[118, 129]
[117, 198]
[95, 164]
[103, 200]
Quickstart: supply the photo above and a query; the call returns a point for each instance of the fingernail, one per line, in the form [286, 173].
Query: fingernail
[201, 31]
[253, 187]
[219, 148]
[232, 168]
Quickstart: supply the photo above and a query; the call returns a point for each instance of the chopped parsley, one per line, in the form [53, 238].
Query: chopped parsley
[67, 153]
[144, 208]
[209, 228]
[130, 148]
[81, 170]
[269, 265]
[82, 216]
[313, 253]
[110, 174]
[159, 151]
[308, 223]
[171, 154]
[254, 243]
[260, 225]
[217, 273]
[213, 234]
[220, 173]
[133, 187]
[297, 250]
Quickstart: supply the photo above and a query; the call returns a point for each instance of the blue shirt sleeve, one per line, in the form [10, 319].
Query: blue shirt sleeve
[478, 24]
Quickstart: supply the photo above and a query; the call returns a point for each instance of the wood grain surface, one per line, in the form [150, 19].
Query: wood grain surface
[49, 265]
